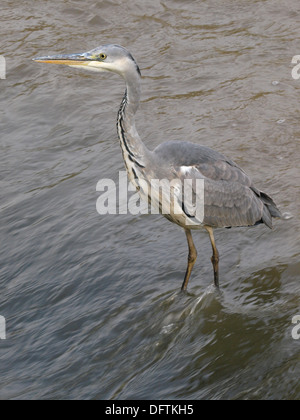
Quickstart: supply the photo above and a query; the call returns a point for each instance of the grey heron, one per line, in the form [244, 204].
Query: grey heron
[230, 197]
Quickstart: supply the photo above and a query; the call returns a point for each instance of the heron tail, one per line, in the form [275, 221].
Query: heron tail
[273, 209]
[270, 209]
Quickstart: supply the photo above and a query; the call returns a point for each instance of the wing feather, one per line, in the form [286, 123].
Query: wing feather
[230, 198]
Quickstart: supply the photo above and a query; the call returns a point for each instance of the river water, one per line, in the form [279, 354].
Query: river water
[92, 303]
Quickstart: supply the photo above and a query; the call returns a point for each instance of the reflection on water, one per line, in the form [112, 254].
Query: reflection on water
[92, 303]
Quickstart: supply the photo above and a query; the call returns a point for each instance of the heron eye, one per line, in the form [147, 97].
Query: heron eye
[102, 56]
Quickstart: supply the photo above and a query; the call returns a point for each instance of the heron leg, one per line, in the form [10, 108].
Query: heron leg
[191, 259]
[215, 258]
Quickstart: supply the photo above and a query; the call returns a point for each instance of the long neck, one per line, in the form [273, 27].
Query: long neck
[132, 146]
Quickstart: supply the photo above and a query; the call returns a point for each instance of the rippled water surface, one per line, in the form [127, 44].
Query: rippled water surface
[92, 303]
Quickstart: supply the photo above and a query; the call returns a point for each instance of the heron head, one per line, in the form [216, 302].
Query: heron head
[112, 58]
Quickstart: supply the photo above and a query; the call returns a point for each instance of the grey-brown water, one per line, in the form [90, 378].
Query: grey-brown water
[92, 303]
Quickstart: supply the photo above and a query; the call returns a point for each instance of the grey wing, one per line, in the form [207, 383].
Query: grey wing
[229, 204]
[230, 198]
